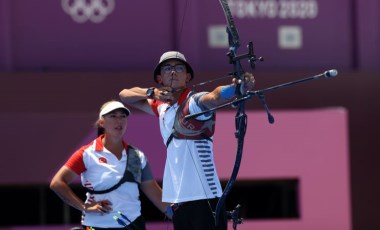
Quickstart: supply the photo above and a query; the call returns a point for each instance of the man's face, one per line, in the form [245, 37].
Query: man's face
[173, 74]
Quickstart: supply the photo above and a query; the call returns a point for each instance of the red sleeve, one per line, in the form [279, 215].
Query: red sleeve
[75, 162]
[154, 105]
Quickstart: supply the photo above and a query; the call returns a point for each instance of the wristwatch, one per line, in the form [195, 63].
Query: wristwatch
[150, 92]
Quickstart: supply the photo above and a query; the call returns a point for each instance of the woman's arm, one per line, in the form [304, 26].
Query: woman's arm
[60, 185]
[154, 193]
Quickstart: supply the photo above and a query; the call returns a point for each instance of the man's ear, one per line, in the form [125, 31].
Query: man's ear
[159, 79]
[188, 77]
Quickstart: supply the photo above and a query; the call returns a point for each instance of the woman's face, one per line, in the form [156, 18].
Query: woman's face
[115, 122]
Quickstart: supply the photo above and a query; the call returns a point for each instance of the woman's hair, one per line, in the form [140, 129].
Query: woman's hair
[100, 131]
[96, 125]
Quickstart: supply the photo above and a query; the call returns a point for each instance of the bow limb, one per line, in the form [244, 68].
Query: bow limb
[240, 118]
[232, 31]
[241, 124]
[234, 44]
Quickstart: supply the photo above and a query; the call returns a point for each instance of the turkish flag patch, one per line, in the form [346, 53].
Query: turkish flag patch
[103, 160]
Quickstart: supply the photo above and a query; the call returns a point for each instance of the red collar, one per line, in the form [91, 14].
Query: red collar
[183, 96]
[99, 144]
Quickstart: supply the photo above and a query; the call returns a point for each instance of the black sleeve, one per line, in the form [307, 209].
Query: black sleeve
[146, 173]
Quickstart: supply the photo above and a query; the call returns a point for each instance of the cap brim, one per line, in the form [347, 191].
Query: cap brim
[113, 106]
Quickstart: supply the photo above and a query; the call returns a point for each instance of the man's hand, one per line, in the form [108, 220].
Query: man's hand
[164, 94]
[249, 82]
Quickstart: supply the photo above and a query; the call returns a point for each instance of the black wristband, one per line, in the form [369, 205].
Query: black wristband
[150, 92]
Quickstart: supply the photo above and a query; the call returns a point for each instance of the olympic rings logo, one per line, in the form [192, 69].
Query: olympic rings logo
[84, 10]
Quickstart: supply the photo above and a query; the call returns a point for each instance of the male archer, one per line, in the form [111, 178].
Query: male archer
[190, 180]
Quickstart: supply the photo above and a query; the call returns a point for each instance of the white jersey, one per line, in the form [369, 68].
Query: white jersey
[100, 170]
[190, 172]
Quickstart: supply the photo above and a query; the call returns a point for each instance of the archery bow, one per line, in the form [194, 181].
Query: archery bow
[241, 117]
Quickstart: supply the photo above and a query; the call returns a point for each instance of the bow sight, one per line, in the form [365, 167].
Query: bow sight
[251, 56]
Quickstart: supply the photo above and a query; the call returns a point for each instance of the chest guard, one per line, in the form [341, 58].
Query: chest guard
[134, 164]
[191, 129]
[132, 172]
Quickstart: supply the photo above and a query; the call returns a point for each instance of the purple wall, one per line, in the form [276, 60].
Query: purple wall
[5, 36]
[44, 37]
[368, 30]
[326, 38]
[41, 35]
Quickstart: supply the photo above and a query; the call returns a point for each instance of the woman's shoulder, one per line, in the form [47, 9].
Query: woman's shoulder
[135, 150]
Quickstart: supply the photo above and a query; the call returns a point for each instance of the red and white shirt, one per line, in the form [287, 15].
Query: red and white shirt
[99, 170]
[190, 172]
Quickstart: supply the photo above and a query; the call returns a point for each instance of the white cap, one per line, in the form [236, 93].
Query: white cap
[111, 106]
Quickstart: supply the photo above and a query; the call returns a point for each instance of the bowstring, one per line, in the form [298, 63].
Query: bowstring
[210, 81]
[187, 145]
[199, 177]
[182, 24]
